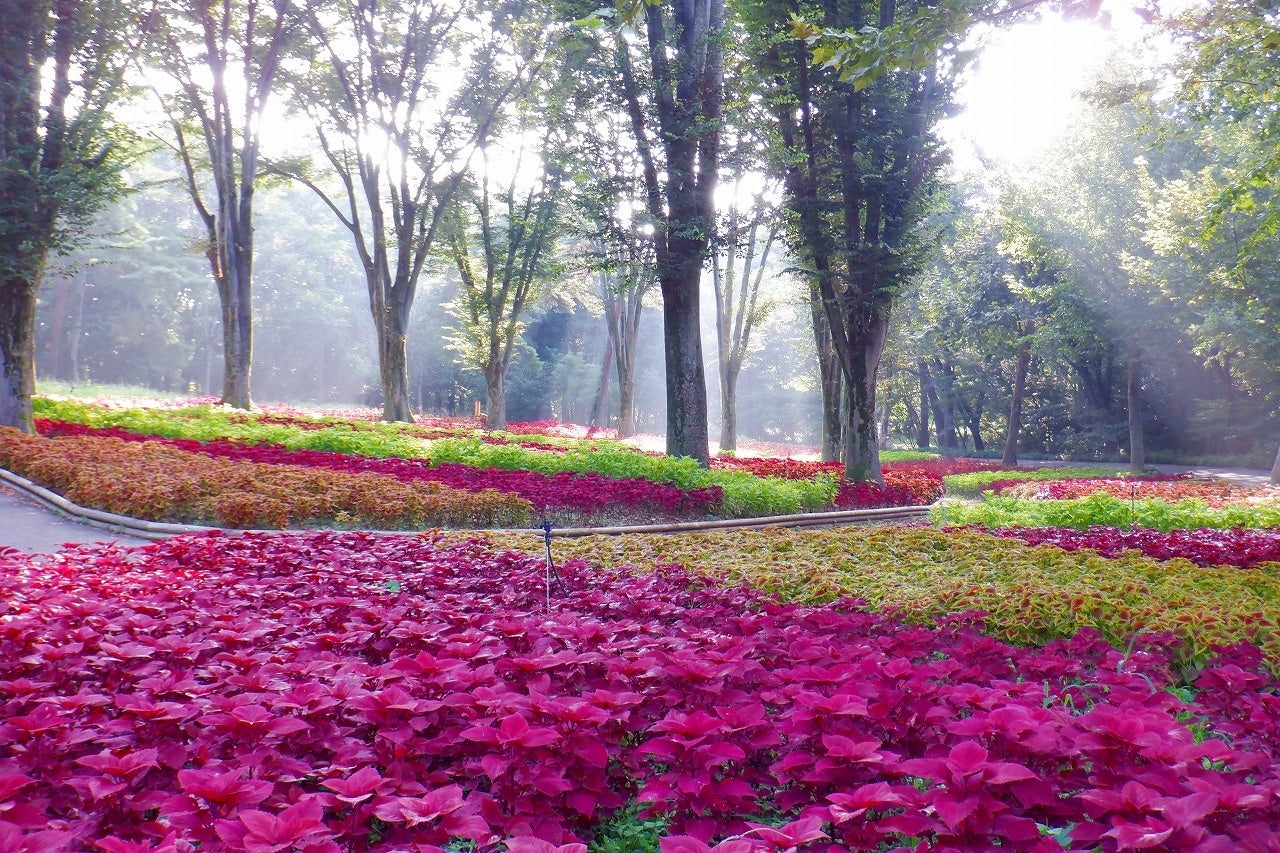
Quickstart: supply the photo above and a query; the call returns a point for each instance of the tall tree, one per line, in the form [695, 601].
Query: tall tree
[673, 91]
[1230, 77]
[225, 58]
[502, 244]
[747, 238]
[402, 93]
[62, 65]
[859, 165]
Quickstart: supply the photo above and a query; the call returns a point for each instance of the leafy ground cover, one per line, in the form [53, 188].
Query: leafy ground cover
[1240, 548]
[1170, 488]
[743, 494]
[1103, 510]
[156, 481]
[1028, 595]
[566, 497]
[975, 482]
[352, 692]
[608, 474]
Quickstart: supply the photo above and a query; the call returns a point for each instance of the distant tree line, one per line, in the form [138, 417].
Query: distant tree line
[549, 169]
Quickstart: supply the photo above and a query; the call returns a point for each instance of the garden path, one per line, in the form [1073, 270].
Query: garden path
[27, 526]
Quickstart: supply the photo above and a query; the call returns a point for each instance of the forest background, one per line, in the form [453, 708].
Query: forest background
[1114, 298]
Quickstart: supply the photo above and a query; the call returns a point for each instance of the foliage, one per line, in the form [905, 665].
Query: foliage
[975, 482]
[1237, 547]
[156, 481]
[1026, 595]
[313, 707]
[1216, 493]
[744, 494]
[1107, 511]
[563, 496]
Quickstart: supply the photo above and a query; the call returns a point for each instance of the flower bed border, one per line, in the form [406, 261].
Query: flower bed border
[160, 530]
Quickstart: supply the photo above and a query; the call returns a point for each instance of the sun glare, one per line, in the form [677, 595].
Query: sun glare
[1022, 92]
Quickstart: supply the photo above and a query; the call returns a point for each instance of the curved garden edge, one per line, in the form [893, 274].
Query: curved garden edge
[154, 530]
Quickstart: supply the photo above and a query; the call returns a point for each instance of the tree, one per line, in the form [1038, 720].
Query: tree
[859, 166]
[502, 246]
[1087, 207]
[225, 58]
[747, 239]
[402, 94]
[1229, 76]
[673, 100]
[62, 66]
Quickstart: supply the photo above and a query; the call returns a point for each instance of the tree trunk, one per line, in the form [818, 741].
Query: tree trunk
[627, 406]
[829, 376]
[861, 450]
[1010, 456]
[884, 426]
[497, 411]
[237, 341]
[729, 411]
[686, 380]
[1137, 446]
[1275, 468]
[391, 321]
[600, 409]
[922, 428]
[17, 353]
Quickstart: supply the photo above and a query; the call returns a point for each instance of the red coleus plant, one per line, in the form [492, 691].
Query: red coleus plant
[1244, 548]
[278, 693]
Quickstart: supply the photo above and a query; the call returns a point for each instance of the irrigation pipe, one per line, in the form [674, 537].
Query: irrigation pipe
[153, 530]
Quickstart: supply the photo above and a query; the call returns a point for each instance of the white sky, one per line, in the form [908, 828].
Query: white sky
[1020, 94]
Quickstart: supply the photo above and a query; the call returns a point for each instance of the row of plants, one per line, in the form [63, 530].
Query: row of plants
[155, 481]
[347, 692]
[972, 483]
[1238, 547]
[1026, 595]
[745, 488]
[743, 494]
[1217, 494]
[564, 497]
[1104, 510]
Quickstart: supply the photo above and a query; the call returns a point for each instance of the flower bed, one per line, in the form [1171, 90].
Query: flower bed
[570, 495]
[159, 482]
[1104, 510]
[994, 479]
[1028, 595]
[1170, 488]
[1243, 549]
[905, 483]
[350, 692]
[744, 494]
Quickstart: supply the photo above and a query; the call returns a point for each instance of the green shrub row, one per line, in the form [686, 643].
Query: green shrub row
[744, 494]
[1103, 509]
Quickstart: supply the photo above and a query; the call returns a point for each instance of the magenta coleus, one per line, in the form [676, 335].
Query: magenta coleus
[344, 692]
[1243, 548]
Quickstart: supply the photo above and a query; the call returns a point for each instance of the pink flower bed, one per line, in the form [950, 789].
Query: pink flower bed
[328, 692]
[583, 494]
[1239, 547]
